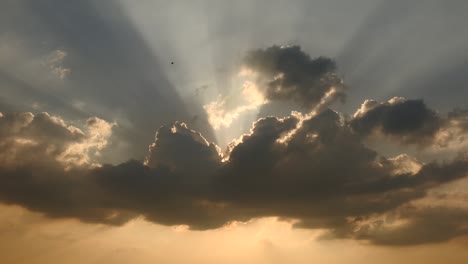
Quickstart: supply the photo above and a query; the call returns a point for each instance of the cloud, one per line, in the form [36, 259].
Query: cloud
[312, 167]
[410, 119]
[31, 139]
[184, 151]
[410, 122]
[44, 162]
[100, 61]
[290, 74]
[315, 178]
[312, 178]
[410, 225]
[55, 61]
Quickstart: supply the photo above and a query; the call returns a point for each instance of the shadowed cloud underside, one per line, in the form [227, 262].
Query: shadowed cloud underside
[314, 168]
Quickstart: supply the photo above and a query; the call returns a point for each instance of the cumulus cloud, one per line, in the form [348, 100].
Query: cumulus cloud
[312, 167]
[410, 119]
[316, 179]
[44, 161]
[182, 150]
[28, 138]
[290, 74]
[410, 122]
[323, 177]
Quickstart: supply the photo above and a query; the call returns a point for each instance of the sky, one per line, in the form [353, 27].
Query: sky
[150, 131]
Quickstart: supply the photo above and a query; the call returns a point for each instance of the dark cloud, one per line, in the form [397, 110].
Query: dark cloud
[434, 224]
[409, 119]
[183, 151]
[315, 178]
[310, 168]
[410, 122]
[290, 74]
[24, 135]
[44, 164]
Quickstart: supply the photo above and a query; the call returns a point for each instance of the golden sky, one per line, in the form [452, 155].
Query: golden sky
[29, 238]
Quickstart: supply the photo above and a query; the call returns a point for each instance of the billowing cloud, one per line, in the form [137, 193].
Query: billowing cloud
[290, 74]
[314, 167]
[184, 151]
[30, 139]
[410, 122]
[317, 168]
[44, 161]
[442, 212]
[322, 176]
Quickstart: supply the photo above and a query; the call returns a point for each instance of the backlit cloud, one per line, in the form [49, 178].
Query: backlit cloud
[324, 177]
[290, 74]
[312, 167]
[410, 122]
[220, 114]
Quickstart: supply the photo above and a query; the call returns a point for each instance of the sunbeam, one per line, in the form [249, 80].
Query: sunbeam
[249, 131]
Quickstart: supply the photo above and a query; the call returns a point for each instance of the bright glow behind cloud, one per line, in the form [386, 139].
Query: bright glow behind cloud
[220, 114]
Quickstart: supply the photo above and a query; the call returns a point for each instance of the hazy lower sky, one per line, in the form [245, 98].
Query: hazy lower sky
[260, 131]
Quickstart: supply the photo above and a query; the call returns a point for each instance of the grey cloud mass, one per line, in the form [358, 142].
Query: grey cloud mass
[69, 69]
[290, 74]
[410, 122]
[431, 223]
[406, 118]
[184, 151]
[310, 176]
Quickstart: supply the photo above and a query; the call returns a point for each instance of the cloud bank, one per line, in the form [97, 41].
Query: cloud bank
[313, 168]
